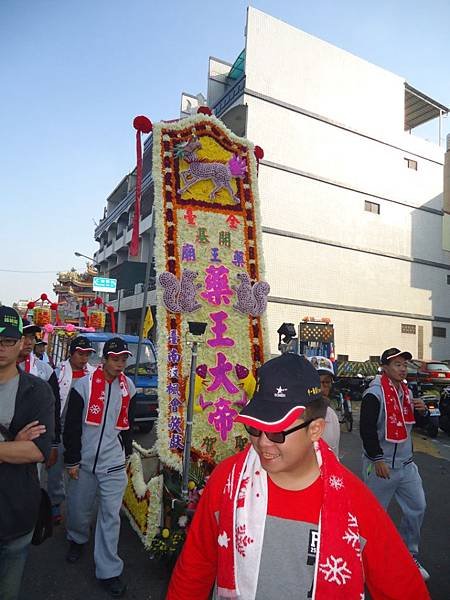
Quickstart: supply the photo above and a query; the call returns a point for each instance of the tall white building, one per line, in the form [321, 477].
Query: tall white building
[351, 197]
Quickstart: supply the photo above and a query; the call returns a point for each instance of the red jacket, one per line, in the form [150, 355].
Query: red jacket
[390, 572]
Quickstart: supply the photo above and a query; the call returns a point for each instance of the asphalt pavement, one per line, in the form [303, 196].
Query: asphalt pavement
[49, 577]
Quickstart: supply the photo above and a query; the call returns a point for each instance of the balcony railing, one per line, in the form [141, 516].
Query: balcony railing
[124, 205]
[231, 96]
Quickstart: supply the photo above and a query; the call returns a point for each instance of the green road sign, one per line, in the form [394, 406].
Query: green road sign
[103, 284]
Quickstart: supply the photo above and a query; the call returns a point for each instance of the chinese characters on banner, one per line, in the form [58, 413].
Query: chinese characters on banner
[210, 269]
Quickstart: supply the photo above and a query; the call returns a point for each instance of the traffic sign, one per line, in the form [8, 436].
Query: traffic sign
[103, 284]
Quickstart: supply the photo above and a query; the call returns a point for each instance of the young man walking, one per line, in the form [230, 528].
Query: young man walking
[97, 440]
[387, 417]
[283, 518]
[26, 431]
[67, 373]
[30, 363]
[41, 352]
[332, 431]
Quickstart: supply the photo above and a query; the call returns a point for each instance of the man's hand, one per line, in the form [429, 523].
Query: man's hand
[53, 457]
[30, 432]
[419, 405]
[73, 472]
[382, 470]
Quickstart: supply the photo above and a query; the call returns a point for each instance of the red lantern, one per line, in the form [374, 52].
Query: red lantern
[204, 110]
[97, 319]
[42, 316]
[44, 297]
[142, 123]
[31, 305]
[98, 301]
[54, 306]
[259, 153]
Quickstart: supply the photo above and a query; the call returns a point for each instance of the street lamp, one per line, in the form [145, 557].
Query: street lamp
[196, 329]
[84, 256]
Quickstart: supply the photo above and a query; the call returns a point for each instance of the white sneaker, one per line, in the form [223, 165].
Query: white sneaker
[423, 571]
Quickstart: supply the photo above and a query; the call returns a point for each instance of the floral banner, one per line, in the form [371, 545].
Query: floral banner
[210, 269]
[142, 501]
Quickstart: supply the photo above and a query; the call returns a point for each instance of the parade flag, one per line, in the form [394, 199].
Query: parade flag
[148, 322]
[210, 269]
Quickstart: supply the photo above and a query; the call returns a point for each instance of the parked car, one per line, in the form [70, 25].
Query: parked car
[412, 378]
[432, 371]
[147, 380]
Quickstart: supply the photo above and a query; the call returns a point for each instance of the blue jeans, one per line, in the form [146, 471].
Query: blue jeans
[13, 555]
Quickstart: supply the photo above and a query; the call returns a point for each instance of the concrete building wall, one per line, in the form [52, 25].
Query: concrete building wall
[332, 129]
[287, 63]
[375, 333]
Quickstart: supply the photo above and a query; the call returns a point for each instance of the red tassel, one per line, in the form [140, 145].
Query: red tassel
[259, 155]
[142, 125]
[112, 316]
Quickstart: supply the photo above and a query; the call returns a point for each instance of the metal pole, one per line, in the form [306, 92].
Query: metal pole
[144, 301]
[189, 422]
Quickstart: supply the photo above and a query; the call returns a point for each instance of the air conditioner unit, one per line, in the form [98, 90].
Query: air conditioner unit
[138, 288]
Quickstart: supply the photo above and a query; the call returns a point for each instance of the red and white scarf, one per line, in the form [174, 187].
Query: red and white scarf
[397, 415]
[338, 570]
[30, 365]
[96, 406]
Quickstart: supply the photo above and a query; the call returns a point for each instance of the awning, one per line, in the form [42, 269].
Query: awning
[238, 69]
[420, 108]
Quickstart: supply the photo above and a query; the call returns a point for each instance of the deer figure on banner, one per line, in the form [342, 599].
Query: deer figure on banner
[220, 174]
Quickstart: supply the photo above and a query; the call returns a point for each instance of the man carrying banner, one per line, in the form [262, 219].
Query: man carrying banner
[283, 518]
[98, 440]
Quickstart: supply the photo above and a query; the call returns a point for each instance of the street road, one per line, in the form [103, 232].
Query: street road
[49, 577]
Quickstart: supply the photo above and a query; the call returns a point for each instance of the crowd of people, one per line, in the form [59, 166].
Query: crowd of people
[282, 518]
[76, 418]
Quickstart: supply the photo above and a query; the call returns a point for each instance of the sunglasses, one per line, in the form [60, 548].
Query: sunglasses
[278, 437]
[8, 342]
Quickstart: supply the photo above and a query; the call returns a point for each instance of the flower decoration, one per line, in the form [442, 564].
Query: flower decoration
[232, 337]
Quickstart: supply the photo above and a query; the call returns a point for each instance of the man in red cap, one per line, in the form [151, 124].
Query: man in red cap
[283, 518]
[387, 417]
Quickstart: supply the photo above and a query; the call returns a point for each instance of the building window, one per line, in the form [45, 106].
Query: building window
[372, 207]
[342, 357]
[411, 164]
[439, 332]
[448, 279]
[406, 328]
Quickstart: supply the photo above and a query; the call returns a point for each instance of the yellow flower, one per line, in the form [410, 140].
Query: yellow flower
[191, 485]
[165, 533]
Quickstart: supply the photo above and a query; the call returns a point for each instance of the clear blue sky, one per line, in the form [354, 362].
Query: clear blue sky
[75, 73]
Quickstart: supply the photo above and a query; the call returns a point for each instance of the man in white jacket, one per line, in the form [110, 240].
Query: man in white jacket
[67, 372]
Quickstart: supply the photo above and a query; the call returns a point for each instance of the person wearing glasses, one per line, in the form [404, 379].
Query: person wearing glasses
[283, 518]
[26, 431]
